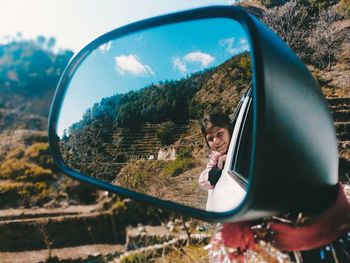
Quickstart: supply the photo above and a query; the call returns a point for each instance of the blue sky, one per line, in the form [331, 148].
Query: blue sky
[74, 23]
[147, 57]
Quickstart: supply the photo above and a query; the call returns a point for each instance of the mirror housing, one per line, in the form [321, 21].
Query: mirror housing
[294, 160]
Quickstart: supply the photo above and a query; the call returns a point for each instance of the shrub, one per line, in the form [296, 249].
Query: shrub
[12, 168]
[272, 3]
[35, 137]
[317, 6]
[40, 153]
[166, 133]
[325, 42]
[15, 194]
[16, 153]
[292, 23]
[178, 166]
[182, 163]
[246, 67]
[20, 170]
[138, 180]
[186, 254]
[78, 191]
[36, 173]
[42, 194]
[343, 8]
[146, 176]
[184, 152]
[10, 193]
[140, 175]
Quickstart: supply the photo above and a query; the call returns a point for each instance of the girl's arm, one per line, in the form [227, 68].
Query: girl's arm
[211, 174]
[204, 180]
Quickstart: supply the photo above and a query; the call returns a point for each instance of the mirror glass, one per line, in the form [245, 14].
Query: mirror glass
[132, 112]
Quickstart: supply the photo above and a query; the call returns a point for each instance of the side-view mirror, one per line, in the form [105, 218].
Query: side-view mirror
[127, 117]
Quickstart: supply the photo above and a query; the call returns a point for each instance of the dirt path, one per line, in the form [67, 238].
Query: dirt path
[184, 189]
[20, 214]
[79, 252]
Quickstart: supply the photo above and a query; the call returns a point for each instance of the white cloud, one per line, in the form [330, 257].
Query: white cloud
[191, 60]
[203, 58]
[243, 41]
[179, 64]
[229, 44]
[245, 44]
[105, 47]
[131, 65]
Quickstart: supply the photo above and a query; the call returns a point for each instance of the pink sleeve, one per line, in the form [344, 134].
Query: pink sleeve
[203, 178]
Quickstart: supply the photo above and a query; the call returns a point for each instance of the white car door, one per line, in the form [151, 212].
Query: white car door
[229, 191]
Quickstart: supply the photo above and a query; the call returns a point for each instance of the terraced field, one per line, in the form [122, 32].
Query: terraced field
[140, 143]
[90, 231]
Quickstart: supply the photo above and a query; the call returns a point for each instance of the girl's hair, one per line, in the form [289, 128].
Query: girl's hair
[215, 119]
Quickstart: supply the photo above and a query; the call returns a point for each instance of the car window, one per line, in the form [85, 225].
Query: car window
[240, 165]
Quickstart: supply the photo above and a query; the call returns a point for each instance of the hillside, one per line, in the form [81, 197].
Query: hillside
[137, 124]
[174, 100]
[177, 102]
[38, 203]
[319, 32]
[29, 72]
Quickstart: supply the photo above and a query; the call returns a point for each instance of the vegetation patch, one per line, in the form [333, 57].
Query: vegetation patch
[19, 170]
[166, 133]
[75, 191]
[39, 153]
[140, 175]
[14, 194]
[178, 166]
[144, 175]
[28, 178]
[185, 254]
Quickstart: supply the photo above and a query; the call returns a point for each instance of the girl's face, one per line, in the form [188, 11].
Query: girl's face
[218, 139]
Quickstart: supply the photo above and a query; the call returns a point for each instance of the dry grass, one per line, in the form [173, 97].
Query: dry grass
[185, 254]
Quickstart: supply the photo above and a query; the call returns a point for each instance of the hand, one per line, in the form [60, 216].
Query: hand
[221, 162]
[239, 238]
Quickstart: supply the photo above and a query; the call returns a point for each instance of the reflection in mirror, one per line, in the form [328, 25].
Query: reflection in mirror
[131, 114]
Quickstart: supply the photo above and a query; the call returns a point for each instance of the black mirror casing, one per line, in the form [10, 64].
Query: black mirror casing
[296, 155]
[294, 161]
